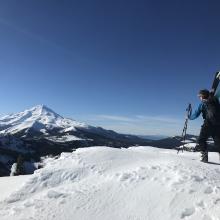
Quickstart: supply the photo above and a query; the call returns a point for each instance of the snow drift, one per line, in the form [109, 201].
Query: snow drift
[101, 183]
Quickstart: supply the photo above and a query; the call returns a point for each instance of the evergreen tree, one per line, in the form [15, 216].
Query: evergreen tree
[20, 165]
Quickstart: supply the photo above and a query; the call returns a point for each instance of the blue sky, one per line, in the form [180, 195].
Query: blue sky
[131, 66]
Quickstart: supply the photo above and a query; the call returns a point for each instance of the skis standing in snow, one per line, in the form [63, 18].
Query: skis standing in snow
[210, 109]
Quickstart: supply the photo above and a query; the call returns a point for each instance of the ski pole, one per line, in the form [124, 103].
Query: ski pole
[188, 113]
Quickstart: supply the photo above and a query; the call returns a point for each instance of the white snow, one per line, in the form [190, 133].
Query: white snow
[13, 169]
[64, 138]
[40, 118]
[188, 146]
[101, 183]
[9, 184]
[187, 141]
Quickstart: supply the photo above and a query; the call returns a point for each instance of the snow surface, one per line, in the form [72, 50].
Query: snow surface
[64, 138]
[101, 183]
[187, 141]
[189, 146]
[10, 184]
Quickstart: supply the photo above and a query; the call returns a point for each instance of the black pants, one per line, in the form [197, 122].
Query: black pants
[207, 131]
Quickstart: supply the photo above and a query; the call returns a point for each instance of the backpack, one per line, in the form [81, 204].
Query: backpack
[211, 111]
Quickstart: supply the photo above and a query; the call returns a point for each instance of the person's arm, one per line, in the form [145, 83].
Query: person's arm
[197, 113]
[217, 94]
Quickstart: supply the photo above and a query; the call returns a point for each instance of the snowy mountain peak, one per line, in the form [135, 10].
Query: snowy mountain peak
[42, 109]
[39, 118]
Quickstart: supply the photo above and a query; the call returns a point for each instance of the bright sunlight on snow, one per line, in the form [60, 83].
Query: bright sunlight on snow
[101, 183]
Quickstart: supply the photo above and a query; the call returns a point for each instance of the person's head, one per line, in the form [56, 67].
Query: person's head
[203, 94]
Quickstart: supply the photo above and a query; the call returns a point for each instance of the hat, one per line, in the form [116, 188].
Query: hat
[204, 93]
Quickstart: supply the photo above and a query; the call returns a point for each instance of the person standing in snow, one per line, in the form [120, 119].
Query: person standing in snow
[210, 109]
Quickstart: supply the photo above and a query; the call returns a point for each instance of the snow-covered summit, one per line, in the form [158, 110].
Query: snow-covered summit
[39, 118]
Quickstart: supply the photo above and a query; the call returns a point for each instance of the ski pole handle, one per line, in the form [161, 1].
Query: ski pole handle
[189, 110]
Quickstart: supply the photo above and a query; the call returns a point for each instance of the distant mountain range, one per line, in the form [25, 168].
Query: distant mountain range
[39, 132]
[153, 137]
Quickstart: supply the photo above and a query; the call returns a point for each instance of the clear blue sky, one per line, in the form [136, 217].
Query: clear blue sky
[131, 66]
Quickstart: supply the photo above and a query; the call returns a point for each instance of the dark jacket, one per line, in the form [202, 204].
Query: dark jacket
[210, 110]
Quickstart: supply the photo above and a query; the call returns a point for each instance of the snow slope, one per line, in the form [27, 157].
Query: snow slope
[101, 183]
[9, 184]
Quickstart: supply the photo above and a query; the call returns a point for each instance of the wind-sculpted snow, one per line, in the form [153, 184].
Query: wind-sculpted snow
[100, 183]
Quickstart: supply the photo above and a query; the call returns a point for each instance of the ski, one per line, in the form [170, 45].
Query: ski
[215, 86]
[215, 82]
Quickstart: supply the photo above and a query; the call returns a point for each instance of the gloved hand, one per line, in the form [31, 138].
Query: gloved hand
[218, 76]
